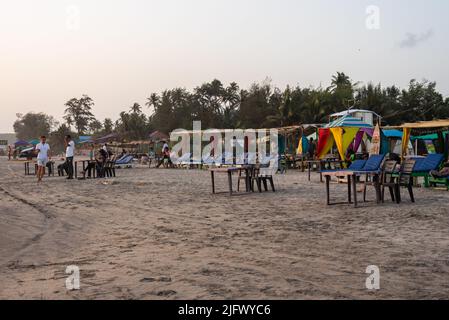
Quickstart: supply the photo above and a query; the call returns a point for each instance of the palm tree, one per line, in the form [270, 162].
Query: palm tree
[136, 108]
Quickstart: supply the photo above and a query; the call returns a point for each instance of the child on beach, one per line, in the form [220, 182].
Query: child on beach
[43, 150]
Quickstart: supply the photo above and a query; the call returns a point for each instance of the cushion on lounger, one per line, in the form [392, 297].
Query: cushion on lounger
[374, 162]
[357, 165]
[431, 162]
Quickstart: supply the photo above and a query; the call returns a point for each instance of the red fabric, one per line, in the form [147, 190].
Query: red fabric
[324, 135]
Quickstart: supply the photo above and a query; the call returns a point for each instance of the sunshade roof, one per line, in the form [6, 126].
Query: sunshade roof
[348, 121]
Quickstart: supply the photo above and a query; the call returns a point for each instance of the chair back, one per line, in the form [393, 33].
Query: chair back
[405, 175]
[270, 170]
[431, 162]
[374, 162]
[388, 170]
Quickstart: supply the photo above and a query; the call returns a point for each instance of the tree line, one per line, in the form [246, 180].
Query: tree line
[262, 105]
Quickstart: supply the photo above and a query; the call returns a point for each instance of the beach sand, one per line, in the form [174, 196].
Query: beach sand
[161, 234]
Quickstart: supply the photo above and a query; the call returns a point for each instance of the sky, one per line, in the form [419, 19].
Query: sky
[120, 51]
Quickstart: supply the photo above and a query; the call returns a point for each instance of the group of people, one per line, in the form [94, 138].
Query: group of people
[43, 151]
[97, 161]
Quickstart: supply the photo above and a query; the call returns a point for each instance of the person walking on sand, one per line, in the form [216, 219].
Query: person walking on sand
[9, 152]
[69, 154]
[43, 155]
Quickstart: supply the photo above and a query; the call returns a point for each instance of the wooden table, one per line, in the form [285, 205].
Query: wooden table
[229, 171]
[322, 163]
[85, 166]
[27, 168]
[352, 183]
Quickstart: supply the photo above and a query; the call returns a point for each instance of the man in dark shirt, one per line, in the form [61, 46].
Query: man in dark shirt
[312, 149]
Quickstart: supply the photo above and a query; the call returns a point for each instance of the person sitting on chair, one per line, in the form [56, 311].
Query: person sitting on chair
[443, 173]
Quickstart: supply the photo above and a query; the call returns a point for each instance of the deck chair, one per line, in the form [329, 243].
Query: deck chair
[356, 165]
[372, 167]
[424, 166]
[126, 160]
[434, 182]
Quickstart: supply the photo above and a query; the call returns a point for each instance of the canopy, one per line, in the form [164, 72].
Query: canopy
[34, 142]
[352, 111]
[21, 143]
[392, 133]
[423, 128]
[158, 136]
[348, 121]
[108, 138]
[343, 132]
[432, 136]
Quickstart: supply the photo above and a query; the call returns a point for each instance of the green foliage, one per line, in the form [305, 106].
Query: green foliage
[78, 113]
[33, 125]
[260, 106]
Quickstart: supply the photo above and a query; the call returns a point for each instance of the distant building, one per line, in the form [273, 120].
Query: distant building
[366, 116]
[7, 139]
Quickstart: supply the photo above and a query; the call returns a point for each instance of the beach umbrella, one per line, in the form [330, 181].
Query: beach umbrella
[158, 136]
[34, 142]
[21, 143]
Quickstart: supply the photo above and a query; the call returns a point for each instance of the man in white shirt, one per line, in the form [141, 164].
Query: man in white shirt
[69, 154]
[43, 155]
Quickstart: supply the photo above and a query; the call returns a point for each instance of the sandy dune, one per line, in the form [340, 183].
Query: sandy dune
[161, 234]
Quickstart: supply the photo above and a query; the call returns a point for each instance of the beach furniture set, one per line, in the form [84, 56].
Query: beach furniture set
[384, 175]
[259, 176]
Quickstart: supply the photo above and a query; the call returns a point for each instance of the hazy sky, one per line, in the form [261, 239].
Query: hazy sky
[120, 51]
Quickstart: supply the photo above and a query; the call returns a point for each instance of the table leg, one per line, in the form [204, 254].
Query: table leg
[377, 187]
[230, 182]
[354, 189]
[213, 181]
[328, 179]
[247, 182]
[76, 169]
[349, 189]
[309, 165]
[321, 174]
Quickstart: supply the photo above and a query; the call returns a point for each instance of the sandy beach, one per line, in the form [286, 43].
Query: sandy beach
[161, 234]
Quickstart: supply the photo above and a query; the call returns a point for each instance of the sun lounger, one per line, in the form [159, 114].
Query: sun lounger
[434, 181]
[424, 166]
[125, 161]
[356, 165]
[371, 169]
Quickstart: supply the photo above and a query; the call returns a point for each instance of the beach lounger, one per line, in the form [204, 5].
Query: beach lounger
[424, 166]
[433, 181]
[356, 165]
[371, 169]
[125, 161]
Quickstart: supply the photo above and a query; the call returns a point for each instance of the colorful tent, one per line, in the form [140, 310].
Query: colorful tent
[343, 132]
[303, 146]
